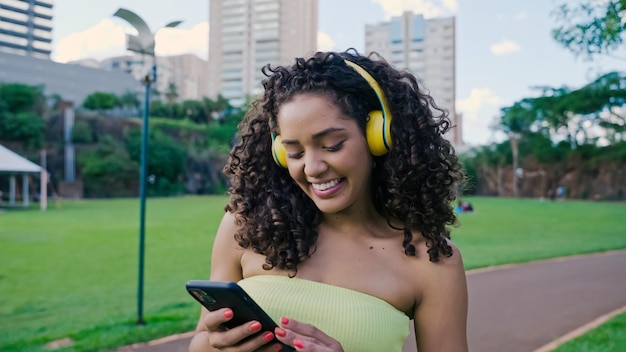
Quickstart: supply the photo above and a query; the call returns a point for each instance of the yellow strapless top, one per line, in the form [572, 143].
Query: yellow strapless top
[360, 322]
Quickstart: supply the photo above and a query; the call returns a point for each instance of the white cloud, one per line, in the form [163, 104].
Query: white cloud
[452, 5]
[478, 110]
[325, 42]
[176, 41]
[98, 42]
[505, 47]
[478, 98]
[108, 39]
[521, 16]
[428, 8]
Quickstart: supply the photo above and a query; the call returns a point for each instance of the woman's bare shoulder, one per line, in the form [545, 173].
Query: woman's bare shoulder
[425, 273]
[226, 253]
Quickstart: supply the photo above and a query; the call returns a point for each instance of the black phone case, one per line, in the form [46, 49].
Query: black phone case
[214, 295]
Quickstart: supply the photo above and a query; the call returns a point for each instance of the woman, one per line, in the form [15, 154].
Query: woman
[341, 190]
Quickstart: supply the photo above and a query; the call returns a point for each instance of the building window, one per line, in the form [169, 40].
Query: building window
[13, 40]
[14, 27]
[40, 33]
[46, 11]
[43, 22]
[16, 4]
[46, 3]
[42, 45]
[17, 16]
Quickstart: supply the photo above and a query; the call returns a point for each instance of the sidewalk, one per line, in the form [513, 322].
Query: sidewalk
[518, 308]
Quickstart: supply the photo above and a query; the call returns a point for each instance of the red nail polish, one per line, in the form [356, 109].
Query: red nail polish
[268, 336]
[278, 347]
[298, 343]
[284, 321]
[256, 326]
[228, 314]
[280, 332]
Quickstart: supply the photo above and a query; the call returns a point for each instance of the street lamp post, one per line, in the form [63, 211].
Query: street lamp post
[142, 43]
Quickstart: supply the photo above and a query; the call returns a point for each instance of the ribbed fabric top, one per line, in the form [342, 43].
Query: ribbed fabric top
[360, 322]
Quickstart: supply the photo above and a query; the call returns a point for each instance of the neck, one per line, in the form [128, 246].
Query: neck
[358, 222]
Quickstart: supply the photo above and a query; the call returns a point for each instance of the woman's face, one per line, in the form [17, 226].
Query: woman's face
[327, 154]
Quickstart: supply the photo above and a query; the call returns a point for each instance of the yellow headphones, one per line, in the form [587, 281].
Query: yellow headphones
[377, 127]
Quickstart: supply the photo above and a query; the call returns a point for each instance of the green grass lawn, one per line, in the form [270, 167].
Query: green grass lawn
[504, 231]
[610, 336]
[72, 271]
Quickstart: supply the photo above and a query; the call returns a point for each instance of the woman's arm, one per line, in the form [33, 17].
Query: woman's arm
[225, 266]
[441, 315]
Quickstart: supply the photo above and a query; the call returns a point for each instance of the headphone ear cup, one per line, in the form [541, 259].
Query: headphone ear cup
[378, 133]
[278, 151]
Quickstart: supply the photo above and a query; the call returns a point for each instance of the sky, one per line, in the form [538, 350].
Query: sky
[504, 49]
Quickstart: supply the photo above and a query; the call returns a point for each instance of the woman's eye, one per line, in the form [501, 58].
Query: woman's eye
[335, 147]
[294, 155]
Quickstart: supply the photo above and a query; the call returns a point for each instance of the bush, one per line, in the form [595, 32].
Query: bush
[100, 101]
[166, 161]
[82, 133]
[24, 127]
[108, 171]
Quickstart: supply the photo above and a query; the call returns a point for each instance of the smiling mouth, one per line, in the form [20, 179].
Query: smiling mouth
[326, 185]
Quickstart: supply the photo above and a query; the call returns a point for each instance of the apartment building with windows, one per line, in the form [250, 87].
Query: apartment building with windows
[138, 66]
[26, 27]
[187, 72]
[425, 47]
[245, 35]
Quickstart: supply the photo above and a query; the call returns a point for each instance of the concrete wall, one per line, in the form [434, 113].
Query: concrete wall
[72, 82]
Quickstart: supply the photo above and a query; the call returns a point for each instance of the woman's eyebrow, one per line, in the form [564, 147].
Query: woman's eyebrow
[318, 135]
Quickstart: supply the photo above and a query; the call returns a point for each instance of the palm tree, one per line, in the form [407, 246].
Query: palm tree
[516, 121]
[171, 95]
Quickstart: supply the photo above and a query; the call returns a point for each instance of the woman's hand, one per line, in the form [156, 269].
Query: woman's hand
[305, 337]
[235, 339]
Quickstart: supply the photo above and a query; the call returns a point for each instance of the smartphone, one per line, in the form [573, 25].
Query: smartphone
[214, 295]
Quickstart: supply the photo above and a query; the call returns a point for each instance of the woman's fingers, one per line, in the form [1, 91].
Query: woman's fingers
[213, 320]
[305, 337]
[238, 338]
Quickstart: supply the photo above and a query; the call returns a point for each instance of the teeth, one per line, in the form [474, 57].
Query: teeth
[326, 185]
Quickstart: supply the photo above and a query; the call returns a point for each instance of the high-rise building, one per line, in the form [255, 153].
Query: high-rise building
[426, 48]
[186, 72]
[245, 35]
[189, 75]
[26, 27]
[138, 66]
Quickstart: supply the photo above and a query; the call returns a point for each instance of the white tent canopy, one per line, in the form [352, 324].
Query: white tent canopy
[12, 163]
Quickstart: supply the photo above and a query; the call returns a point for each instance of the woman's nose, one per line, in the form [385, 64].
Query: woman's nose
[314, 164]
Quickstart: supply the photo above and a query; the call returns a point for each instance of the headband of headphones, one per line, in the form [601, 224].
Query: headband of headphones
[378, 126]
[375, 86]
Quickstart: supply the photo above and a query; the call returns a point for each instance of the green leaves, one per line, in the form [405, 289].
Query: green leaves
[100, 101]
[590, 28]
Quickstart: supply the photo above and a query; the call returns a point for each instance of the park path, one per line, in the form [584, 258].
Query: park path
[518, 308]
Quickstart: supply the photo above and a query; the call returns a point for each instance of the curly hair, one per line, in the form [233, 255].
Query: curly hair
[414, 183]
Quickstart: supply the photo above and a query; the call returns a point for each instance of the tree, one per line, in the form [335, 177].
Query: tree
[194, 110]
[15, 97]
[516, 121]
[583, 114]
[129, 101]
[25, 127]
[22, 109]
[100, 101]
[166, 160]
[591, 27]
[108, 170]
[171, 94]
